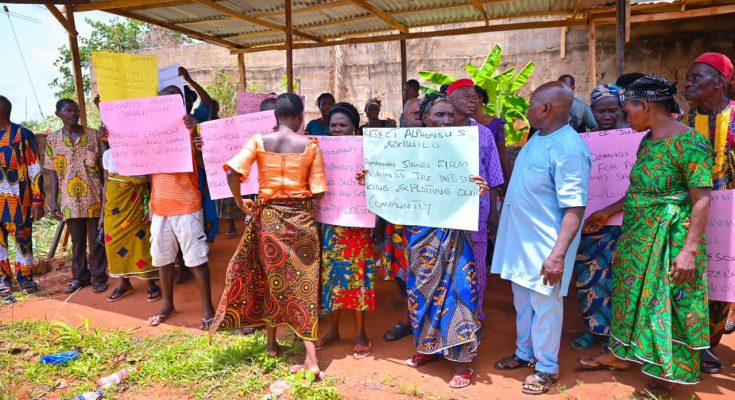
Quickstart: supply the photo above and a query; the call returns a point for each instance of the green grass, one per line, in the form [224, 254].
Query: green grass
[44, 231]
[232, 366]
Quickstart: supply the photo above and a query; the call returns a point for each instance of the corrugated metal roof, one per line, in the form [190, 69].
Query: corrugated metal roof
[325, 20]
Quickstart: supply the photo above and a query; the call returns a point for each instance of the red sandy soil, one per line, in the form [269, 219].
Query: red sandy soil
[383, 375]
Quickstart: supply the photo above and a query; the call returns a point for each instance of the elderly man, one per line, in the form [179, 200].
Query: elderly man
[539, 233]
[22, 201]
[464, 99]
[714, 116]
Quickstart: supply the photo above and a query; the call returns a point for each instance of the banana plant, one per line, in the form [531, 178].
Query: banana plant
[502, 90]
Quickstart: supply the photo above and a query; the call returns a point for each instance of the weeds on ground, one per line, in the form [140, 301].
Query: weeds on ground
[232, 366]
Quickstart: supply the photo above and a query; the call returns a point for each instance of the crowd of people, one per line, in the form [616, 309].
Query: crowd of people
[642, 287]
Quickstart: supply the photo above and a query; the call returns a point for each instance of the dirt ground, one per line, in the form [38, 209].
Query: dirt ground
[384, 374]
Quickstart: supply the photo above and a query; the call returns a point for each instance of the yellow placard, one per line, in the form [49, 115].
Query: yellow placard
[125, 76]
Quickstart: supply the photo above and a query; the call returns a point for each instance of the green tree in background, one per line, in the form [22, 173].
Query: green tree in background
[224, 89]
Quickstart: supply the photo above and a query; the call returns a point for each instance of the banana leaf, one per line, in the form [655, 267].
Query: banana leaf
[437, 77]
[492, 61]
[522, 77]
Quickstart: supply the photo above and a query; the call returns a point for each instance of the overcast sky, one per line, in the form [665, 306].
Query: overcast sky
[39, 40]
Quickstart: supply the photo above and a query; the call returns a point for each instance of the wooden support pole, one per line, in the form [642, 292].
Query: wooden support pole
[77, 68]
[289, 47]
[627, 21]
[563, 44]
[241, 70]
[592, 55]
[62, 20]
[404, 69]
[620, 24]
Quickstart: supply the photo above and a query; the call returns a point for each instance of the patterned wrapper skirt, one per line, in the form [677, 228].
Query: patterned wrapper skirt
[127, 236]
[593, 278]
[227, 209]
[348, 269]
[273, 278]
[442, 293]
[395, 254]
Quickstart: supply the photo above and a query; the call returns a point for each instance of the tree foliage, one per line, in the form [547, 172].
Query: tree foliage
[224, 89]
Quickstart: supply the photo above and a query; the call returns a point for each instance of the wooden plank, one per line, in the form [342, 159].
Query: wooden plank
[380, 14]
[577, 6]
[627, 21]
[62, 20]
[197, 35]
[423, 35]
[404, 69]
[592, 50]
[77, 68]
[674, 15]
[241, 15]
[289, 47]
[620, 24]
[118, 4]
[241, 70]
[563, 43]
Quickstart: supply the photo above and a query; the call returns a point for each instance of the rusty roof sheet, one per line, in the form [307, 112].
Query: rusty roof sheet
[221, 21]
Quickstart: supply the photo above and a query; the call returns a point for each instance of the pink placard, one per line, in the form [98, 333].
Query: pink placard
[248, 103]
[613, 156]
[344, 203]
[721, 246]
[148, 136]
[222, 139]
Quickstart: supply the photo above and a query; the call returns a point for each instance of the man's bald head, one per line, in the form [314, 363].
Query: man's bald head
[411, 117]
[550, 106]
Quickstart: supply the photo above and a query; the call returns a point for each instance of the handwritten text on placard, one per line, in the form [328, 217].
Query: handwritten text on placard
[125, 76]
[222, 139]
[421, 176]
[613, 156]
[344, 203]
[721, 246]
[148, 136]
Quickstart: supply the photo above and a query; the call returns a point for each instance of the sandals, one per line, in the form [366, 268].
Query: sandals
[75, 285]
[397, 332]
[422, 359]
[584, 342]
[158, 319]
[153, 294]
[729, 327]
[541, 384]
[206, 324]
[361, 351]
[513, 362]
[710, 363]
[99, 287]
[456, 384]
[29, 287]
[118, 294]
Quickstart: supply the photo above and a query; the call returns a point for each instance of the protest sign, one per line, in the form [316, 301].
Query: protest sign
[125, 76]
[248, 103]
[721, 246]
[344, 203]
[222, 139]
[613, 156]
[169, 76]
[148, 136]
[421, 176]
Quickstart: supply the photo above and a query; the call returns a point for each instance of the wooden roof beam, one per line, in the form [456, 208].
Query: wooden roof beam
[177, 28]
[674, 15]
[481, 9]
[380, 14]
[117, 4]
[68, 25]
[247, 18]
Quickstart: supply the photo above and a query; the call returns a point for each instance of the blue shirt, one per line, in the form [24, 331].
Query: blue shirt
[316, 129]
[551, 173]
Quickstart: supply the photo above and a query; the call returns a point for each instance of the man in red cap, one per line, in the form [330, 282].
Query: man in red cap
[706, 86]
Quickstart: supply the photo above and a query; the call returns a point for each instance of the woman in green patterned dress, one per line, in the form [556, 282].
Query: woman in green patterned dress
[660, 315]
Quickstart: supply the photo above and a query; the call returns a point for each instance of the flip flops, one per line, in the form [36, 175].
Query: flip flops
[158, 319]
[454, 384]
[512, 362]
[361, 351]
[541, 384]
[118, 294]
[399, 331]
[422, 359]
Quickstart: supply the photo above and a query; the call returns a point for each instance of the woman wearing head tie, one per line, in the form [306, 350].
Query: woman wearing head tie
[659, 300]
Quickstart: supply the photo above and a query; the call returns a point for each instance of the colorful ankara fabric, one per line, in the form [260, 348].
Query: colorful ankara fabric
[593, 278]
[273, 278]
[442, 293]
[348, 269]
[127, 235]
[720, 129]
[22, 233]
[656, 322]
[21, 174]
[603, 91]
[227, 209]
[395, 252]
[79, 168]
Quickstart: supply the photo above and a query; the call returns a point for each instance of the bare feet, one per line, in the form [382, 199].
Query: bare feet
[272, 349]
[326, 339]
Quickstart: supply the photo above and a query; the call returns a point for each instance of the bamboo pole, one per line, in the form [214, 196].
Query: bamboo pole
[289, 47]
[77, 67]
[404, 69]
